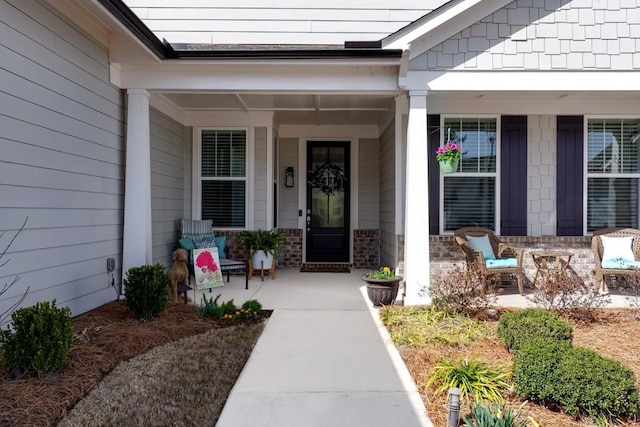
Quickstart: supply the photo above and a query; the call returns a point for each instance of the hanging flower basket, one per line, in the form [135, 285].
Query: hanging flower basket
[448, 167]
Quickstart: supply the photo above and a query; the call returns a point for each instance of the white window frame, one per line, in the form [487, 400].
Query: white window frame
[197, 174]
[496, 174]
[585, 164]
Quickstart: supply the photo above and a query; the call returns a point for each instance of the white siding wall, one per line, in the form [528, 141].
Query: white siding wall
[541, 175]
[278, 21]
[167, 184]
[61, 160]
[260, 180]
[576, 35]
[387, 196]
[368, 184]
[288, 197]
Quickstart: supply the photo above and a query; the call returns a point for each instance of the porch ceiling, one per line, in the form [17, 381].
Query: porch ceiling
[297, 109]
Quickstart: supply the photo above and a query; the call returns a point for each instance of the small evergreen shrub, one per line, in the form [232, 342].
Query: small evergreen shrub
[472, 377]
[211, 308]
[578, 380]
[588, 383]
[146, 290]
[41, 338]
[252, 305]
[520, 326]
[534, 369]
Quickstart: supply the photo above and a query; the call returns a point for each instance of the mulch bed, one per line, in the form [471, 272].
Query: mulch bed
[103, 338]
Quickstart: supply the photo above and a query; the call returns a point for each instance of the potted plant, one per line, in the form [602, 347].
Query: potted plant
[382, 286]
[448, 156]
[263, 246]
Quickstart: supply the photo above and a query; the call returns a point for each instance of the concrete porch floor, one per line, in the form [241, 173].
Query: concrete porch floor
[324, 358]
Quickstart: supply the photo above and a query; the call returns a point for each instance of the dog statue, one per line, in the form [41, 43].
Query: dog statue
[179, 272]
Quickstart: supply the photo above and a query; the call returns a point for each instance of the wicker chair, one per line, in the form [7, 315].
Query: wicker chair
[475, 258]
[598, 250]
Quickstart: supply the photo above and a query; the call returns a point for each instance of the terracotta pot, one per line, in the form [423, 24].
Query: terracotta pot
[382, 291]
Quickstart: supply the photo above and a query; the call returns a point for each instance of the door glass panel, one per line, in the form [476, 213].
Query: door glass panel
[327, 182]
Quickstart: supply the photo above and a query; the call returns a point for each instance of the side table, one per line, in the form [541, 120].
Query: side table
[547, 262]
[227, 265]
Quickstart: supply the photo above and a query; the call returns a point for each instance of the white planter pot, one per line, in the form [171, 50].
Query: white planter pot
[261, 257]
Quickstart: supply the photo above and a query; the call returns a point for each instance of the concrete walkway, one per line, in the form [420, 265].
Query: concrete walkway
[324, 359]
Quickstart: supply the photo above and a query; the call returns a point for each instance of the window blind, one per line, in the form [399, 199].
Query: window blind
[612, 173]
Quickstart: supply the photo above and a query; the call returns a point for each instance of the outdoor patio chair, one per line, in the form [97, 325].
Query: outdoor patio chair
[484, 251]
[616, 252]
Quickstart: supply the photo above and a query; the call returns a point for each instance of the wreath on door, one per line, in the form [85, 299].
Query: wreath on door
[329, 178]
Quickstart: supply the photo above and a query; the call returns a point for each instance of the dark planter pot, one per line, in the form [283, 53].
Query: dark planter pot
[382, 291]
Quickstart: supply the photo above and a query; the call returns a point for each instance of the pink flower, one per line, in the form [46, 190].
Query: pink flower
[453, 145]
[441, 150]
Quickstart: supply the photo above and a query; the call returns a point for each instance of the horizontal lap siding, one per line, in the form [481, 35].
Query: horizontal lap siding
[61, 160]
[288, 196]
[167, 183]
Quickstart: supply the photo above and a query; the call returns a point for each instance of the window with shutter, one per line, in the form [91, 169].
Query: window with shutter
[224, 177]
[469, 196]
[613, 172]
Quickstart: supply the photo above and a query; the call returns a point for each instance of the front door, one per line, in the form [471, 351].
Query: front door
[327, 219]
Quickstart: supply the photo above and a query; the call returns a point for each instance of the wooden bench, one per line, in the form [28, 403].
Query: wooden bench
[598, 250]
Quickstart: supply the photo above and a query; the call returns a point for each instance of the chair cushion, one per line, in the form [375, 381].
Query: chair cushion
[620, 264]
[481, 243]
[501, 263]
[196, 229]
[221, 242]
[186, 243]
[617, 248]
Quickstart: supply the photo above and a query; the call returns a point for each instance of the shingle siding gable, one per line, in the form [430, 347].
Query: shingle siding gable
[544, 35]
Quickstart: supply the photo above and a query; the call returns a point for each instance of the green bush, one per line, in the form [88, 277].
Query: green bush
[252, 305]
[40, 339]
[578, 380]
[473, 377]
[146, 290]
[591, 384]
[211, 308]
[534, 369]
[520, 326]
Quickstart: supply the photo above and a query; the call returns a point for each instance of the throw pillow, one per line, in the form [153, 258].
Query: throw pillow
[617, 248]
[481, 243]
[221, 242]
[205, 243]
[501, 263]
[186, 243]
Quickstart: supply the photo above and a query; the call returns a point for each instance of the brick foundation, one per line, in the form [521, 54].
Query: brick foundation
[366, 248]
[290, 254]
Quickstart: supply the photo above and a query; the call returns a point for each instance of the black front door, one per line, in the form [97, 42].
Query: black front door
[327, 219]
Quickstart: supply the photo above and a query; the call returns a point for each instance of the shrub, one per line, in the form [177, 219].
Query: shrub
[146, 290]
[473, 377]
[534, 369]
[497, 415]
[577, 379]
[252, 305]
[591, 384]
[211, 308]
[520, 326]
[41, 338]
[568, 295]
[465, 290]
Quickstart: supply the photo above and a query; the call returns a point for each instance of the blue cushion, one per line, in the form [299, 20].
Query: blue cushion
[620, 264]
[481, 243]
[501, 263]
[186, 243]
[221, 241]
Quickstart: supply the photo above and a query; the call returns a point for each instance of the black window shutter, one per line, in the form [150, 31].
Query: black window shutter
[513, 176]
[569, 175]
[433, 137]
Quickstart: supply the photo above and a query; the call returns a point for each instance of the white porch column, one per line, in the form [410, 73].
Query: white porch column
[416, 230]
[136, 250]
